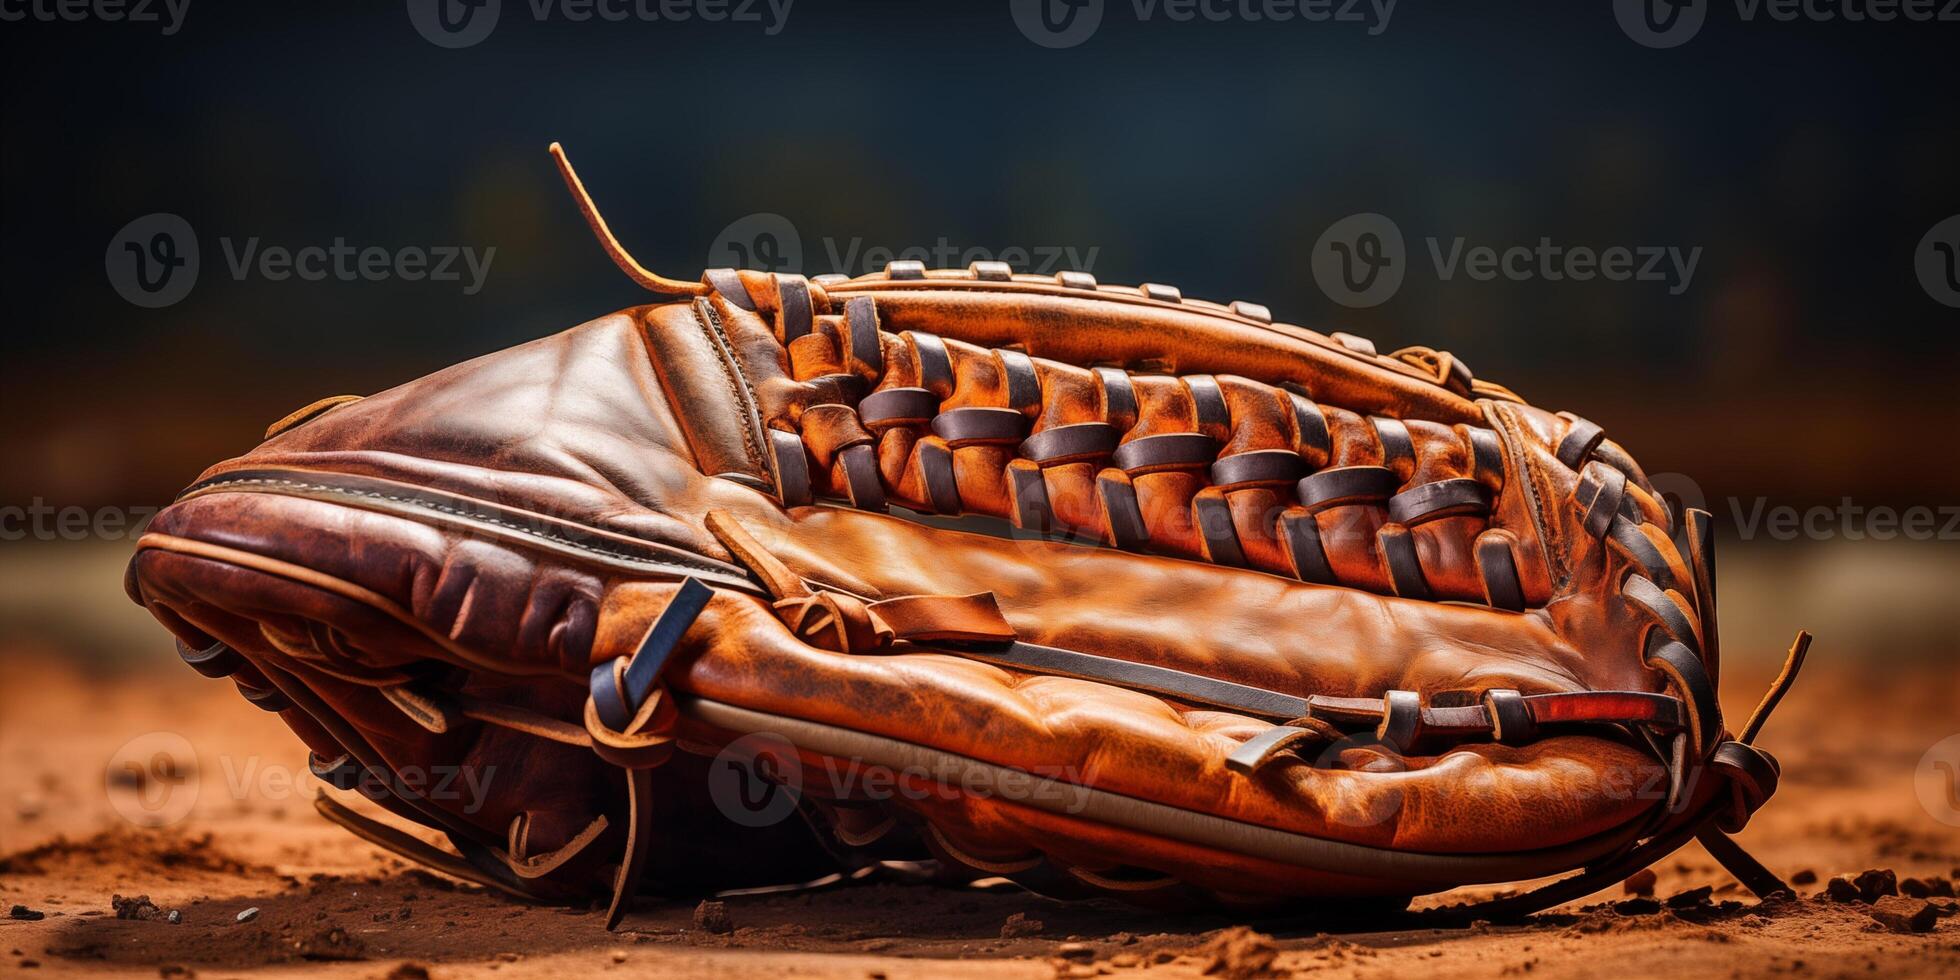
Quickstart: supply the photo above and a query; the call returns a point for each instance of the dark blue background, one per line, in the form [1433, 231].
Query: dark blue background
[1807, 160]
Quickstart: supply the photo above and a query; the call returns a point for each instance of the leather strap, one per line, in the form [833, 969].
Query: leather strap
[728, 283]
[1700, 532]
[1685, 670]
[1312, 439]
[1208, 405]
[861, 478]
[980, 426]
[1486, 455]
[1598, 496]
[1167, 451]
[1119, 397]
[1120, 510]
[1647, 598]
[1078, 443]
[1443, 498]
[1345, 485]
[1658, 711]
[1398, 549]
[1028, 494]
[618, 694]
[1301, 535]
[1022, 384]
[215, 661]
[792, 468]
[898, 406]
[942, 485]
[1260, 467]
[1627, 540]
[1498, 566]
[1214, 519]
[935, 365]
[794, 312]
[1511, 721]
[1581, 438]
[1398, 449]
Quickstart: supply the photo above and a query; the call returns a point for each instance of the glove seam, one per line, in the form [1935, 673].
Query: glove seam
[738, 384]
[1534, 498]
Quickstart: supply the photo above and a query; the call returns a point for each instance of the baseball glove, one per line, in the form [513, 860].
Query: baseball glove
[972, 574]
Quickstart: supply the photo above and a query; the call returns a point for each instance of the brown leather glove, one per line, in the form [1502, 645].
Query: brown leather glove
[1252, 614]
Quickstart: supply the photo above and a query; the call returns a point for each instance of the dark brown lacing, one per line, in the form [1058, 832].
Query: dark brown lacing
[892, 411]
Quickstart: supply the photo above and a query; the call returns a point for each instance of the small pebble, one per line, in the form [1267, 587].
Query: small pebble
[712, 916]
[1905, 914]
[1018, 925]
[1641, 882]
[249, 914]
[1876, 884]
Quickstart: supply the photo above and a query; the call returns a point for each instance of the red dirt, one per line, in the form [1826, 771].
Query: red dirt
[330, 906]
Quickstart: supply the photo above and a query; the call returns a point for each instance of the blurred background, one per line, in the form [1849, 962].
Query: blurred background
[1791, 345]
[1726, 230]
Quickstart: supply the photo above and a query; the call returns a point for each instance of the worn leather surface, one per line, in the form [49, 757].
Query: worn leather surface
[605, 447]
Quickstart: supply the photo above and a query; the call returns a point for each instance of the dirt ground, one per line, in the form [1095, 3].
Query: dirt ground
[89, 755]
